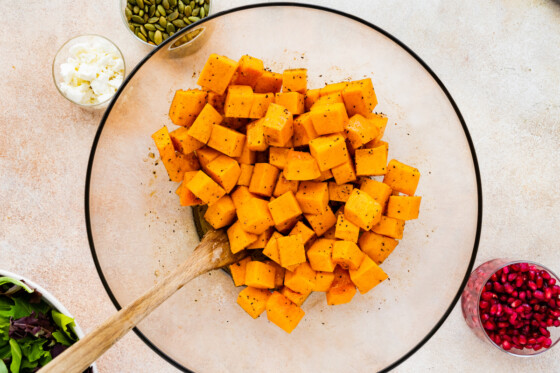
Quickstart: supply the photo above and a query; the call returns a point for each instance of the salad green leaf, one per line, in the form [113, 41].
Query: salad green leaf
[16, 356]
[13, 281]
[3, 367]
[63, 322]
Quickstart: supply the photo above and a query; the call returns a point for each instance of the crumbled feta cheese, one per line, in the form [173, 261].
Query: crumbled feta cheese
[93, 73]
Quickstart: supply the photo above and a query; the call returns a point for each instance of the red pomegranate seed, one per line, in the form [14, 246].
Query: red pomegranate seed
[545, 275]
[494, 277]
[522, 340]
[532, 285]
[523, 267]
[508, 288]
[532, 275]
[516, 303]
[505, 270]
[485, 317]
[537, 347]
[556, 323]
[493, 309]
[506, 345]
[489, 325]
[512, 318]
[502, 324]
[512, 276]
[483, 304]
[522, 295]
[538, 294]
[498, 288]
[547, 293]
[539, 282]
[519, 282]
[551, 281]
[549, 322]
[487, 295]
[547, 343]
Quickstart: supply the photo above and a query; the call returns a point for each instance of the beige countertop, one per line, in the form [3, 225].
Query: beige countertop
[499, 59]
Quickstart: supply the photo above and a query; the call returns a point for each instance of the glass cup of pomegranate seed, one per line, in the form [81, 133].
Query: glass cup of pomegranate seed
[513, 305]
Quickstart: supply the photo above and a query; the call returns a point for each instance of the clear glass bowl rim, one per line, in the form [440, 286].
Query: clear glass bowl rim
[314, 7]
[54, 66]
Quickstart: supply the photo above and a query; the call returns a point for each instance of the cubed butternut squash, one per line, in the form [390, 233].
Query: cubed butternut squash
[284, 208]
[380, 121]
[227, 141]
[264, 179]
[290, 250]
[259, 275]
[294, 80]
[362, 210]
[311, 95]
[329, 119]
[238, 271]
[312, 197]
[329, 151]
[306, 233]
[283, 312]
[301, 166]
[345, 172]
[271, 247]
[255, 136]
[201, 128]
[389, 227]
[240, 195]
[277, 125]
[367, 276]
[225, 171]
[346, 230]
[186, 197]
[359, 97]
[402, 178]
[303, 130]
[404, 207]
[247, 156]
[301, 279]
[221, 213]
[262, 239]
[268, 82]
[360, 130]
[320, 255]
[261, 102]
[332, 88]
[325, 175]
[183, 142]
[249, 70]
[206, 155]
[254, 216]
[186, 105]
[378, 190]
[321, 222]
[323, 281]
[239, 101]
[376, 246]
[294, 296]
[340, 193]
[283, 186]
[278, 156]
[342, 289]
[253, 300]
[245, 175]
[371, 162]
[238, 238]
[205, 188]
[347, 255]
[293, 101]
[217, 73]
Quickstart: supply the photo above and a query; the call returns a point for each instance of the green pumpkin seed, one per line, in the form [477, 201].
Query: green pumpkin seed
[170, 28]
[165, 35]
[140, 3]
[187, 21]
[207, 1]
[149, 27]
[146, 8]
[200, 2]
[173, 3]
[129, 6]
[171, 33]
[157, 14]
[158, 27]
[135, 10]
[152, 11]
[161, 10]
[146, 18]
[135, 24]
[143, 31]
[194, 19]
[141, 13]
[181, 7]
[206, 9]
[132, 2]
[158, 37]
[162, 22]
[128, 14]
[151, 35]
[148, 2]
[192, 4]
[131, 27]
[188, 11]
[195, 12]
[141, 36]
[173, 16]
[153, 19]
[165, 4]
[179, 23]
[152, 43]
[138, 19]
[202, 13]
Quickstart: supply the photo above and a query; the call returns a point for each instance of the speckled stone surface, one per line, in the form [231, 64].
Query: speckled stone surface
[499, 59]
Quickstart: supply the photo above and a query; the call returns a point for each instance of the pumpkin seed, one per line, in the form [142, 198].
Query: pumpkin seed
[153, 19]
[135, 24]
[192, 4]
[151, 35]
[131, 27]
[170, 28]
[152, 43]
[187, 21]
[195, 12]
[148, 2]
[202, 13]
[143, 31]
[171, 33]
[158, 27]
[172, 3]
[207, 1]
[165, 4]
[162, 22]
[161, 10]
[149, 27]
[200, 2]
[181, 7]
[146, 8]
[135, 10]
[173, 16]
[152, 11]
[158, 1]
[179, 23]
[128, 14]
[194, 19]
[188, 11]
[132, 2]
[165, 36]
[129, 6]
[158, 37]
[141, 13]
[138, 19]
[206, 9]
[141, 36]
[140, 3]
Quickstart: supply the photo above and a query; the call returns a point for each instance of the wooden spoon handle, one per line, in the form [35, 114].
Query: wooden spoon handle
[84, 352]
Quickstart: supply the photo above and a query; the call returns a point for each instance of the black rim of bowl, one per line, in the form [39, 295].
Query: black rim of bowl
[316, 7]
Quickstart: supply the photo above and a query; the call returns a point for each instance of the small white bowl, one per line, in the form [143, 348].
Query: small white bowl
[50, 299]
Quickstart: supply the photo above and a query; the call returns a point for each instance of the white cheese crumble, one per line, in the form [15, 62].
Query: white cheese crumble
[93, 73]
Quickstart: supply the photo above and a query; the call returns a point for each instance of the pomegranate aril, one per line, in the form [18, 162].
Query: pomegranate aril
[506, 345]
[532, 285]
[556, 323]
[539, 282]
[494, 277]
[547, 293]
[508, 288]
[483, 304]
[498, 288]
[547, 343]
[522, 340]
[512, 276]
[532, 275]
[532, 341]
[519, 282]
[551, 281]
[502, 324]
[523, 267]
[545, 275]
[516, 303]
[537, 347]
[487, 295]
[538, 294]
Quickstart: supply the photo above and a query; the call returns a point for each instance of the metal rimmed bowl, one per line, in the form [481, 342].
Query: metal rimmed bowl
[138, 231]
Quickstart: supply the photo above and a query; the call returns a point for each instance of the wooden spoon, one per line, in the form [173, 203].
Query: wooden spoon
[213, 252]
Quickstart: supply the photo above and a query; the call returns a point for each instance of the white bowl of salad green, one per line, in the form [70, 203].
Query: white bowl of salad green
[34, 326]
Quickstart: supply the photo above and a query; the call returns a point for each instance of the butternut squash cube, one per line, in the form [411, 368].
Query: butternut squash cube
[302, 279]
[262, 239]
[362, 210]
[278, 157]
[329, 99]
[320, 255]
[346, 230]
[290, 250]
[283, 186]
[240, 195]
[254, 216]
[360, 130]
[249, 70]
[261, 102]
[372, 162]
[311, 95]
[183, 142]
[176, 164]
[271, 247]
[293, 101]
[238, 271]
[255, 136]
[277, 125]
[294, 296]
[225, 171]
[221, 213]
[205, 188]
[368, 276]
[201, 129]
[380, 121]
[347, 254]
[342, 289]
[283, 312]
[301, 166]
[403, 207]
[259, 275]
[328, 119]
[247, 156]
[321, 222]
[268, 82]
[359, 97]
[332, 88]
[253, 300]
[306, 233]
[325, 175]
[186, 197]
[206, 155]
[389, 227]
[239, 101]
[186, 105]
[279, 273]
[227, 141]
[284, 208]
[329, 234]
[344, 173]
[402, 178]
[378, 190]
[294, 80]
[340, 193]
[217, 73]
[323, 281]
[313, 197]
[263, 180]
[217, 101]
[238, 238]
[303, 130]
[329, 151]
[376, 246]
[245, 175]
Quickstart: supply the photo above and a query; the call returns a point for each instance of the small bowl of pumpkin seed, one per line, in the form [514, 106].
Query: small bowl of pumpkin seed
[154, 21]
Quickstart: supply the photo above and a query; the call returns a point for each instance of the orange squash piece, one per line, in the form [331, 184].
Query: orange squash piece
[227, 141]
[277, 125]
[389, 227]
[238, 238]
[254, 216]
[186, 105]
[312, 197]
[221, 213]
[249, 70]
[205, 188]
[372, 162]
[376, 246]
[321, 222]
[376, 189]
[342, 289]
[306, 233]
[404, 207]
[301, 166]
[259, 275]
[367, 276]
[264, 179]
[340, 193]
[203, 124]
[329, 151]
[217, 73]
[268, 82]
[294, 80]
[362, 210]
[253, 300]
[320, 255]
[293, 101]
[283, 312]
[329, 119]
[225, 171]
[238, 271]
[402, 178]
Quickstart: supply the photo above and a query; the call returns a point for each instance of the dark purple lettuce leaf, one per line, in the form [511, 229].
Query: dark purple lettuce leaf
[33, 325]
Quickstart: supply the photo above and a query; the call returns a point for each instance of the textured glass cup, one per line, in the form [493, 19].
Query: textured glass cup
[470, 300]
[138, 231]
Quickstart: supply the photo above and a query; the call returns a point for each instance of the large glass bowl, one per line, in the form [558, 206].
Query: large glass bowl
[138, 231]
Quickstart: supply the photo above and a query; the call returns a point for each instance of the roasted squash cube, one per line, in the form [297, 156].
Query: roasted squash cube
[342, 289]
[271, 247]
[320, 255]
[376, 246]
[255, 136]
[278, 156]
[306, 233]
[262, 239]
[302, 279]
[378, 190]
[254, 216]
[261, 102]
[325, 175]
[313, 197]
[227, 141]
[283, 186]
[221, 213]
[346, 230]
[332, 88]
[239, 101]
[240, 195]
[325, 100]
[206, 155]
[344, 173]
[201, 129]
[368, 276]
[259, 275]
[303, 130]
[293, 101]
[403, 207]
[245, 175]
[321, 222]
[253, 300]
[225, 171]
[362, 210]
[176, 164]
[291, 250]
[359, 97]
[247, 156]
[186, 105]
[340, 193]
[371, 162]
[268, 82]
[360, 130]
[402, 178]
[323, 281]
[183, 142]
[301, 166]
[329, 151]
[311, 95]
[294, 296]
[238, 271]
[238, 238]
[278, 125]
[264, 179]
[294, 80]
[217, 101]
[186, 197]
[347, 254]
[284, 208]
[328, 119]
[217, 73]
[205, 188]
[249, 70]
[279, 273]
[389, 227]
[283, 312]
